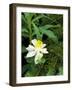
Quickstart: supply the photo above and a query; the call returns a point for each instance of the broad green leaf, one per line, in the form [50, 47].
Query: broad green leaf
[50, 34]
[49, 26]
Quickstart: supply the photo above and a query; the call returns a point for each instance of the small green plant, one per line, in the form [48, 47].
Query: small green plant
[42, 44]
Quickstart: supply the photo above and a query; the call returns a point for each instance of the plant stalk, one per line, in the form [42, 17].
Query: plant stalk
[30, 30]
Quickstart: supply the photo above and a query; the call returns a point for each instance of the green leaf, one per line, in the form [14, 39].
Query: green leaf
[25, 35]
[25, 68]
[42, 61]
[24, 30]
[49, 26]
[32, 71]
[37, 18]
[30, 60]
[36, 31]
[38, 58]
[23, 18]
[51, 71]
[28, 16]
[60, 71]
[50, 34]
[23, 49]
[28, 74]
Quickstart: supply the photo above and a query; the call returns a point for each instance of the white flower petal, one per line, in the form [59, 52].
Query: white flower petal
[31, 54]
[44, 50]
[34, 41]
[38, 57]
[30, 48]
[43, 45]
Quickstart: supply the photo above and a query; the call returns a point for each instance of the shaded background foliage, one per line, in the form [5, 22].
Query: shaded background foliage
[49, 29]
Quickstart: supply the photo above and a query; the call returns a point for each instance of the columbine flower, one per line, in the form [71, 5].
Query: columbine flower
[37, 49]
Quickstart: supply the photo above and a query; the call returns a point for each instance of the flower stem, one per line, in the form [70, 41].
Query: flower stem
[30, 32]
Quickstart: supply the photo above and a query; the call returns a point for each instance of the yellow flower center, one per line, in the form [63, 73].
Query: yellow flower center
[38, 44]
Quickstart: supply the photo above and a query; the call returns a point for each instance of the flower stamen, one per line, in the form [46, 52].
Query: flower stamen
[38, 44]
